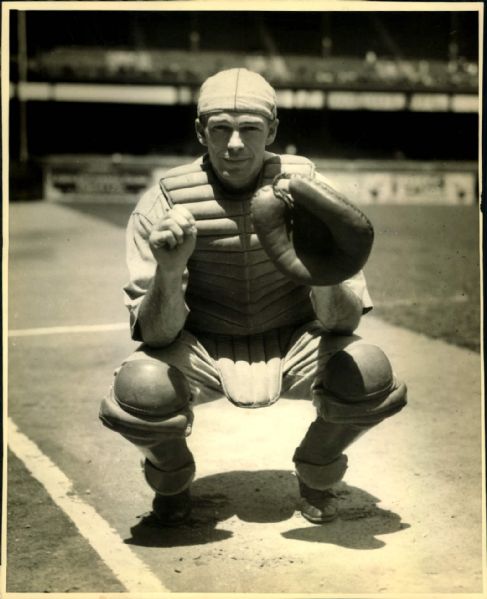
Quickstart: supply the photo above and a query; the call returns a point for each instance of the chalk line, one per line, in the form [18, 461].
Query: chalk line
[122, 561]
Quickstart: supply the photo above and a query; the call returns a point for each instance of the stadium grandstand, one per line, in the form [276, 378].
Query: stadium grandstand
[102, 101]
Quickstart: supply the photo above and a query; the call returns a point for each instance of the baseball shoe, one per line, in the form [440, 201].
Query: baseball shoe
[172, 510]
[316, 505]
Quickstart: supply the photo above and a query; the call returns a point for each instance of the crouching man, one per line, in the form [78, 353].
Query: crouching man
[246, 281]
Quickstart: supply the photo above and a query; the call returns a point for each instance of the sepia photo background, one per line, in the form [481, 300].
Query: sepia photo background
[99, 100]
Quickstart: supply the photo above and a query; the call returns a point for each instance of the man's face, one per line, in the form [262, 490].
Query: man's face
[236, 143]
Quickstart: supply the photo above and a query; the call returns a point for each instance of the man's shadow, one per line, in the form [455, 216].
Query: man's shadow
[268, 496]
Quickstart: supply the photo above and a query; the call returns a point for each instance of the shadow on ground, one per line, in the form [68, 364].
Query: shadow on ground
[268, 496]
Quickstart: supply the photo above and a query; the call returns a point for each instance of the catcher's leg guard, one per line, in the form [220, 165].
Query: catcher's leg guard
[149, 406]
[356, 390]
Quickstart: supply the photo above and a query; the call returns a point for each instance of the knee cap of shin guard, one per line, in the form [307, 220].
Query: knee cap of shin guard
[359, 387]
[150, 388]
[357, 373]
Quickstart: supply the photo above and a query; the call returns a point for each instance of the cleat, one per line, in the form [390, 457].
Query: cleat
[172, 510]
[318, 506]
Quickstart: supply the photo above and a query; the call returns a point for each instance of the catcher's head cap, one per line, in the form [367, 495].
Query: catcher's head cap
[238, 90]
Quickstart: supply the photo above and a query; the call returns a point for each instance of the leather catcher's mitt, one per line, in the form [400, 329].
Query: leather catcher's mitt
[311, 233]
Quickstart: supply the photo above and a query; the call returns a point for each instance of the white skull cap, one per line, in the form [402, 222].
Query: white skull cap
[237, 90]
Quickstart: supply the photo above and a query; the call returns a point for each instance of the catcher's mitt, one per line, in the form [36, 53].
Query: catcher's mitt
[312, 233]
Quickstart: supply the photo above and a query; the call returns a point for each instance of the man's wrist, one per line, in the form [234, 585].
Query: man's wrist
[167, 279]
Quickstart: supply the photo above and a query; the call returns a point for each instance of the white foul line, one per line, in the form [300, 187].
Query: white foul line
[121, 326]
[82, 328]
[125, 565]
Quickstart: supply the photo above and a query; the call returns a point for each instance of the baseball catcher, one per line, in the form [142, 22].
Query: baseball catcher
[246, 281]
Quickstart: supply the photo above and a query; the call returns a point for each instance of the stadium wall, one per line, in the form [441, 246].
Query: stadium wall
[100, 100]
[124, 178]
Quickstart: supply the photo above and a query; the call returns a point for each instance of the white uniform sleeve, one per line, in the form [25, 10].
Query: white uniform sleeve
[140, 260]
[357, 283]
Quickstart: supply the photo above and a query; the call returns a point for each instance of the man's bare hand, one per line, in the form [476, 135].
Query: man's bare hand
[173, 239]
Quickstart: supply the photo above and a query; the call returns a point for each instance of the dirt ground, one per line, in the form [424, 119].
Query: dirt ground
[410, 505]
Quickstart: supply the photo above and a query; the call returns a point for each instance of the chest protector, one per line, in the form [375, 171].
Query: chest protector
[235, 293]
[233, 286]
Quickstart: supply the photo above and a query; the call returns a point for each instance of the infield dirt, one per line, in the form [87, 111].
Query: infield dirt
[410, 507]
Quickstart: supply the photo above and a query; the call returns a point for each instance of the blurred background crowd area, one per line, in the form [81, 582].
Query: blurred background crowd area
[379, 51]
[121, 86]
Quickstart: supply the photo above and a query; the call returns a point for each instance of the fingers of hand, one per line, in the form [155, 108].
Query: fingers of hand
[183, 217]
[163, 239]
[174, 228]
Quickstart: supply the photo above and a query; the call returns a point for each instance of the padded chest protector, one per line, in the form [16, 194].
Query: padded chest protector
[242, 308]
[234, 287]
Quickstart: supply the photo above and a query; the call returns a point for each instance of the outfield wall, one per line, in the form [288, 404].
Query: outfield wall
[405, 182]
[123, 178]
